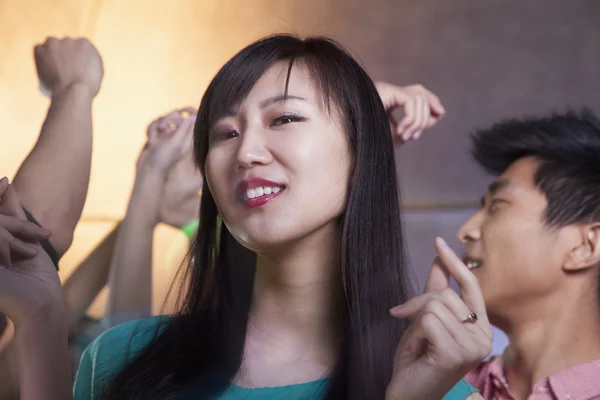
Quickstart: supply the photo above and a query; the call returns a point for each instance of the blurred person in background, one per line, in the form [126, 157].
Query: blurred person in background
[166, 190]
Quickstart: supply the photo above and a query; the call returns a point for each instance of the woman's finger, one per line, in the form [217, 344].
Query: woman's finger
[187, 112]
[432, 121]
[188, 139]
[469, 286]
[424, 116]
[11, 205]
[23, 229]
[408, 117]
[435, 105]
[419, 109]
[3, 185]
[184, 133]
[170, 122]
[448, 297]
[431, 328]
[152, 130]
[457, 330]
[21, 249]
[454, 345]
[438, 278]
[409, 123]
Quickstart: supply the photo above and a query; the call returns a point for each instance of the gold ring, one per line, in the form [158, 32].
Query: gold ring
[471, 318]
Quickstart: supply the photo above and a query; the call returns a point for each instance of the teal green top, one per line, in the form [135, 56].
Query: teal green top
[116, 347]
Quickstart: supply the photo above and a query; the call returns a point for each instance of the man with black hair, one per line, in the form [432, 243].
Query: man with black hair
[535, 247]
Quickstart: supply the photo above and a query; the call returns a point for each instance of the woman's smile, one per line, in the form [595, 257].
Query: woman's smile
[256, 192]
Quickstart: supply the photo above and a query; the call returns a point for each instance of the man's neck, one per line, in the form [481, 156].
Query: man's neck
[556, 337]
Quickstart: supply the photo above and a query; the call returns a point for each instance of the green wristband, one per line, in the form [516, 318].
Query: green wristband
[190, 229]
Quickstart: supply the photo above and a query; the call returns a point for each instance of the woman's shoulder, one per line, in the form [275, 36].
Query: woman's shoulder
[111, 351]
[131, 336]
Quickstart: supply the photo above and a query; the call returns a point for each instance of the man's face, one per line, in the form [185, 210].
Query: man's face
[514, 254]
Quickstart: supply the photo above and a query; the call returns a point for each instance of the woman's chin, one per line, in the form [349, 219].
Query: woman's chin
[260, 244]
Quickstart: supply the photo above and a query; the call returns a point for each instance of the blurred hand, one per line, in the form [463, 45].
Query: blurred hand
[166, 125]
[440, 346]
[61, 63]
[169, 140]
[29, 282]
[180, 200]
[421, 109]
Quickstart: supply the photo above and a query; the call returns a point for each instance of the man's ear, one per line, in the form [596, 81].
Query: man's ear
[586, 253]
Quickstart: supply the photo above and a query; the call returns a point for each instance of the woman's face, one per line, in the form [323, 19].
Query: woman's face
[278, 168]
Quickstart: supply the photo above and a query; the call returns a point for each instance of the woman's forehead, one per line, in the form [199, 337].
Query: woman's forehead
[300, 79]
[281, 80]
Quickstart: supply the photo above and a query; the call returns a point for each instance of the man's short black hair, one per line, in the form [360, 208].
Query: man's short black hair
[568, 146]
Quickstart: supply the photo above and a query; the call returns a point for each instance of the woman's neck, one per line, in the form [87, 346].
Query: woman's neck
[297, 310]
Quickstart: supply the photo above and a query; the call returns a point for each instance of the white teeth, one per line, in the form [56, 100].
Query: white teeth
[473, 264]
[261, 191]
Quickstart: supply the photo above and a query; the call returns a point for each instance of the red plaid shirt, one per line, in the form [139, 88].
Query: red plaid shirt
[581, 382]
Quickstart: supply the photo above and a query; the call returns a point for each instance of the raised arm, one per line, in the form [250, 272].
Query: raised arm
[88, 279]
[180, 199]
[130, 278]
[52, 181]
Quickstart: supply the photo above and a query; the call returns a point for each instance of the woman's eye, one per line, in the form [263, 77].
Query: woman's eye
[286, 119]
[225, 134]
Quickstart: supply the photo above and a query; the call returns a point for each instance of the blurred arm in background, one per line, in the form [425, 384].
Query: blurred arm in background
[165, 190]
[52, 181]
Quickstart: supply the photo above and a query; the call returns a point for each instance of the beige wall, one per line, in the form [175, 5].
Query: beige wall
[158, 55]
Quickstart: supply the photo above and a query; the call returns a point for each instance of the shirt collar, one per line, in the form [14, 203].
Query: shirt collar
[580, 382]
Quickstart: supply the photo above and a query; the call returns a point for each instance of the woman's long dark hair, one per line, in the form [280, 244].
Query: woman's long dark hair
[202, 346]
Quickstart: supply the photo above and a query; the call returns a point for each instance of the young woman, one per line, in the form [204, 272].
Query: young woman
[299, 255]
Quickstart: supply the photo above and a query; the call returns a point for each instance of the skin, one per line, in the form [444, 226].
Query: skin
[165, 189]
[72, 70]
[294, 320]
[176, 189]
[31, 297]
[175, 184]
[295, 237]
[295, 288]
[533, 276]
